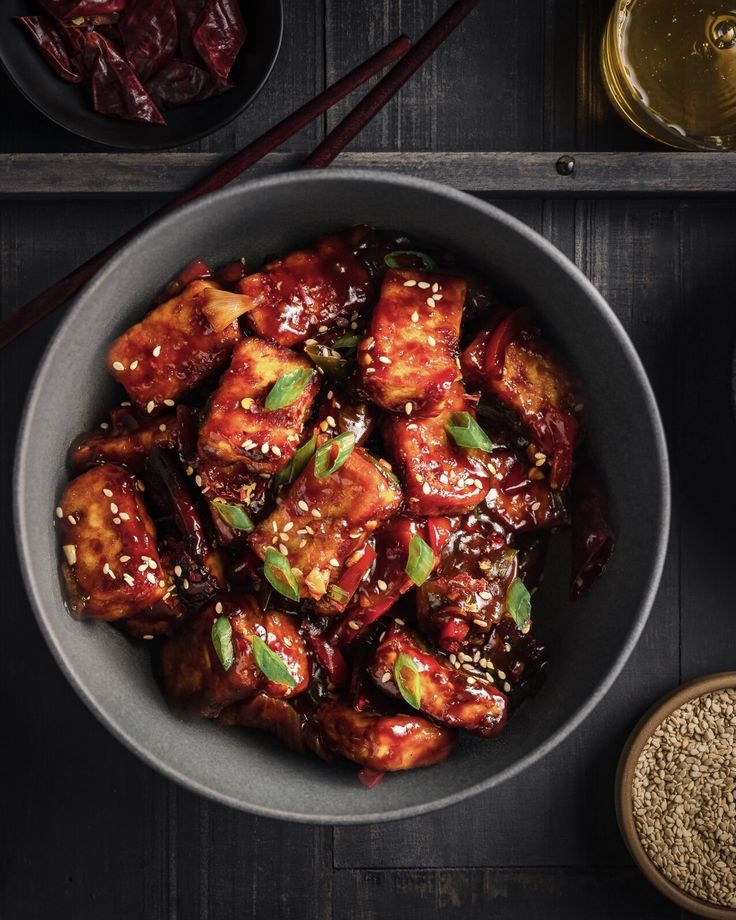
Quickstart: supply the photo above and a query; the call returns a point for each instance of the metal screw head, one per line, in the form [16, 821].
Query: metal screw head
[565, 165]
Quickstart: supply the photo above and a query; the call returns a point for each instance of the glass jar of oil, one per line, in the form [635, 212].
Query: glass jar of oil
[670, 69]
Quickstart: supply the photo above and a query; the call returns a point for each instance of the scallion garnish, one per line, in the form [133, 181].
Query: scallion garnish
[466, 432]
[420, 562]
[409, 687]
[519, 603]
[222, 640]
[347, 343]
[234, 516]
[339, 595]
[279, 575]
[328, 360]
[271, 664]
[340, 447]
[392, 259]
[288, 473]
[288, 388]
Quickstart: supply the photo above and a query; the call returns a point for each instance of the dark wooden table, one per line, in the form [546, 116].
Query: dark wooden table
[90, 832]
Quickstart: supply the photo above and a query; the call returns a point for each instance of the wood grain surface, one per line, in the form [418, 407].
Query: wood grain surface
[86, 830]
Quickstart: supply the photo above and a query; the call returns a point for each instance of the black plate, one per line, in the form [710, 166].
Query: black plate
[70, 106]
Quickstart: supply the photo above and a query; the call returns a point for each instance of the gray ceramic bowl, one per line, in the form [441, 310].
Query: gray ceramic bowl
[589, 641]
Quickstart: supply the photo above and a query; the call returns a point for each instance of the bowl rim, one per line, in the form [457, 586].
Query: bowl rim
[630, 753]
[335, 176]
[148, 146]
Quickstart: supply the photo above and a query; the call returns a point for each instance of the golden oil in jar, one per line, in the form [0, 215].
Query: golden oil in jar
[669, 67]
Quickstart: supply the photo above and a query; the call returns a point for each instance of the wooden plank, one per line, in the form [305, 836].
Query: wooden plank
[706, 438]
[88, 830]
[512, 174]
[501, 894]
[560, 811]
[482, 90]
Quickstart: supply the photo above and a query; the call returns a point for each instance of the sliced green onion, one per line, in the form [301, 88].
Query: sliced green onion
[519, 603]
[347, 343]
[428, 263]
[466, 432]
[289, 471]
[339, 595]
[279, 575]
[328, 360]
[288, 388]
[234, 516]
[420, 562]
[271, 664]
[410, 688]
[344, 443]
[222, 640]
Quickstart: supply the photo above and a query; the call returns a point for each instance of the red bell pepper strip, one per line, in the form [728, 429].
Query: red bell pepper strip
[592, 536]
[452, 634]
[501, 337]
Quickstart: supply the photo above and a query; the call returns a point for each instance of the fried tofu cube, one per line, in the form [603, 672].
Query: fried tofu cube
[238, 428]
[321, 523]
[446, 695]
[408, 361]
[307, 292]
[438, 476]
[172, 350]
[127, 446]
[386, 743]
[195, 678]
[112, 565]
[512, 364]
[520, 498]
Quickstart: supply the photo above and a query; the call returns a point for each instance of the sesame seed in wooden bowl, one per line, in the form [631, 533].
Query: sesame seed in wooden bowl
[676, 796]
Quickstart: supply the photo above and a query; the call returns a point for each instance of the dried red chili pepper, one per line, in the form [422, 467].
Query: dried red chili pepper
[592, 536]
[179, 83]
[219, 35]
[50, 42]
[116, 89]
[150, 34]
[331, 659]
[188, 13]
[370, 777]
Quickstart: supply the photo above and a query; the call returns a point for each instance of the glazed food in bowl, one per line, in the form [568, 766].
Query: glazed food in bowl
[587, 643]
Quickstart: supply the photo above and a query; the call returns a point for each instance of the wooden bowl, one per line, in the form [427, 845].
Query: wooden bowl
[624, 785]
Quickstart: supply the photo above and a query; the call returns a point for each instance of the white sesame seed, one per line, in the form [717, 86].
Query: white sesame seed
[315, 513]
[334, 563]
[218, 607]
[198, 480]
[536, 506]
[104, 426]
[283, 550]
[169, 402]
[370, 370]
[384, 360]
[59, 513]
[118, 366]
[382, 586]
[156, 351]
[151, 577]
[432, 340]
[124, 516]
[71, 519]
[353, 625]
[150, 407]
[386, 677]
[435, 288]
[265, 448]
[70, 551]
[303, 505]
[125, 558]
[415, 317]
[162, 427]
[288, 527]
[116, 520]
[322, 329]
[507, 687]
[502, 675]
[133, 365]
[276, 451]
[128, 579]
[430, 303]
[471, 680]
[424, 285]
[486, 595]
[113, 508]
[410, 283]
[177, 571]
[426, 489]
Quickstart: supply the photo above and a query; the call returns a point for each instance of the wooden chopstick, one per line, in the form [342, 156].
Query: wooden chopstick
[53, 297]
[386, 89]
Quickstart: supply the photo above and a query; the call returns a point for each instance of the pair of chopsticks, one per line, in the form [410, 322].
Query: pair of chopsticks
[410, 58]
